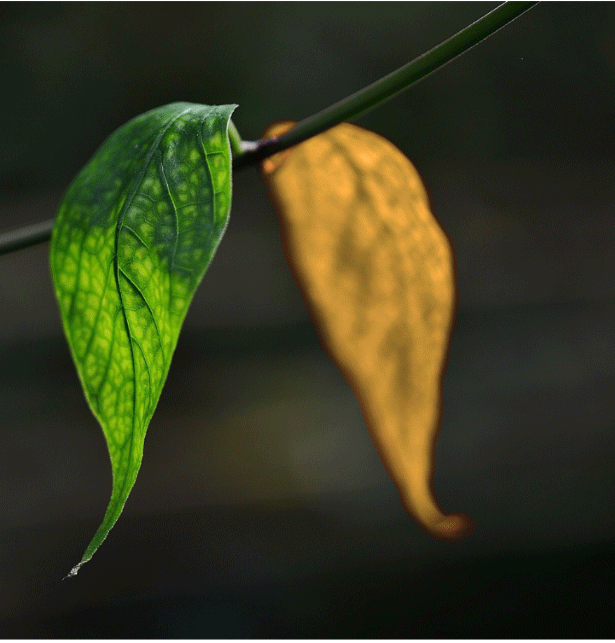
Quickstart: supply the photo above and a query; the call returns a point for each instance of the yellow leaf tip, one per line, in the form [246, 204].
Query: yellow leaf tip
[452, 528]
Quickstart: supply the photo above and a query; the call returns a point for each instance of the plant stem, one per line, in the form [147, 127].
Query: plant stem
[246, 153]
[384, 89]
[29, 235]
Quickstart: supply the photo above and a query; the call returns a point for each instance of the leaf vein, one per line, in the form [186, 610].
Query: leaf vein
[151, 312]
[174, 208]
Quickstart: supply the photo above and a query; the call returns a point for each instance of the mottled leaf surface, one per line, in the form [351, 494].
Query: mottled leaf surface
[134, 235]
[377, 274]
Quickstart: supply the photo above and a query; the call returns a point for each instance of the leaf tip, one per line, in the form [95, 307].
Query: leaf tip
[73, 572]
[453, 528]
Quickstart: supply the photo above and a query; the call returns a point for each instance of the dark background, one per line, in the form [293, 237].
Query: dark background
[262, 509]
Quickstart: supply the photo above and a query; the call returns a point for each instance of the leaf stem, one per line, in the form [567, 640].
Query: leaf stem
[239, 146]
[247, 153]
[234, 139]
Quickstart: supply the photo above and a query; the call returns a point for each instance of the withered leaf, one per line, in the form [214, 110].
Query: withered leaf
[377, 274]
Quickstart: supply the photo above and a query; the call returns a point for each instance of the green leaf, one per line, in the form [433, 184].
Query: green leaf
[133, 238]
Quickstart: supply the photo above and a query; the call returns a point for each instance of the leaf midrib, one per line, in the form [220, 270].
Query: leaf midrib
[120, 221]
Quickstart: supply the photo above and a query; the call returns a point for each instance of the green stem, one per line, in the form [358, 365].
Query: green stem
[246, 153]
[235, 140]
[384, 89]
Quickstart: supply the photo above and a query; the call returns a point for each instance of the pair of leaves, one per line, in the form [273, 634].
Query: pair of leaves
[140, 224]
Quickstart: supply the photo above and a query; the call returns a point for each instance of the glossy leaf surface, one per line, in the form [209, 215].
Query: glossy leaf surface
[377, 274]
[134, 235]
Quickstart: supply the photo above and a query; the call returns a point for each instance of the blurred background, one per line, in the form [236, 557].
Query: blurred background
[262, 509]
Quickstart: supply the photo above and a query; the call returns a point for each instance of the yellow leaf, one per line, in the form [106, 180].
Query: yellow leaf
[377, 274]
